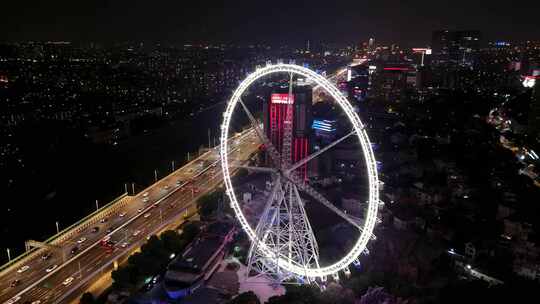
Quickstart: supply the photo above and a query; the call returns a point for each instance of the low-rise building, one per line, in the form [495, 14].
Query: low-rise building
[191, 270]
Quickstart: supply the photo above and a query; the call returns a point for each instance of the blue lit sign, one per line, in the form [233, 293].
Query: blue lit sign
[324, 125]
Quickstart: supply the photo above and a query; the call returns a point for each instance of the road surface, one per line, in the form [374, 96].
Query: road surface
[165, 200]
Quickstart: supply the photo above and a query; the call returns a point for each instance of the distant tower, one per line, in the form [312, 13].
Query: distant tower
[307, 47]
[370, 44]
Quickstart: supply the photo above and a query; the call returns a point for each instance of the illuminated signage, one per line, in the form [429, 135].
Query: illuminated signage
[324, 125]
[422, 50]
[281, 99]
[529, 81]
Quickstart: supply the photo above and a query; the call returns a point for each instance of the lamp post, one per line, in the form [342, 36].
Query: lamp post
[209, 144]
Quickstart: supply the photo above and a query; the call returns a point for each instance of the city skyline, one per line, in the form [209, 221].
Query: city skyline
[278, 22]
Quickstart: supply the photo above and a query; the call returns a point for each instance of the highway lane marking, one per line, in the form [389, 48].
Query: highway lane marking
[89, 265]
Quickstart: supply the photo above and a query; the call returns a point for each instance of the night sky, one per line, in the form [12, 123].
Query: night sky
[409, 22]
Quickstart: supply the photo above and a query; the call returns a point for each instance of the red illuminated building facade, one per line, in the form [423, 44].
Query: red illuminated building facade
[274, 111]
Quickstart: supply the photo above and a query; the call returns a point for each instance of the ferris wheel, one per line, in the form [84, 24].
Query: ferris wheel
[283, 244]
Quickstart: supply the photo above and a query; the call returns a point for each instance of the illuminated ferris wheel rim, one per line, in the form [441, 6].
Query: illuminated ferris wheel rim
[373, 200]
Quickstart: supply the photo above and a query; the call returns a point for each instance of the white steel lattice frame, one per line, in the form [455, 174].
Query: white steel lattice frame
[285, 230]
[371, 168]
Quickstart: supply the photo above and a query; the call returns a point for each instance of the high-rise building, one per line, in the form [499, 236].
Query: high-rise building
[274, 113]
[371, 45]
[456, 47]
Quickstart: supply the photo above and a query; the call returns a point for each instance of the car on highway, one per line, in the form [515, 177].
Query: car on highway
[23, 269]
[122, 214]
[137, 232]
[13, 300]
[74, 250]
[124, 244]
[103, 220]
[15, 283]
[110, 229]
[145, 194]
[36, 302]
[68, 281]
[110, 250]
[178, 182]
[46, 256]
[81, 240]
[51, 268]
[140, 210]
[147, 215]
[146, 199]
[95, 229]
[105, 242]
[166, 188]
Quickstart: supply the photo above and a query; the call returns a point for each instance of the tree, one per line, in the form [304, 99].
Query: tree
[248, 297]
[87, 298]
[297, 294]
[172, 241]
[208, 203]
[335, 293]
[358, 283]
[154, 248]
[376, 295]
[190, 231]
[125, 277]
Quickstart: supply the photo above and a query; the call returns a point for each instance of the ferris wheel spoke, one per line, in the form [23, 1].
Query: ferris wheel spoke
[259, 169]
[274, 154]
[321, 199]
[308, 158]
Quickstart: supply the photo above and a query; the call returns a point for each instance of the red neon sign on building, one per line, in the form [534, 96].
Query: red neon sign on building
[282, 98]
